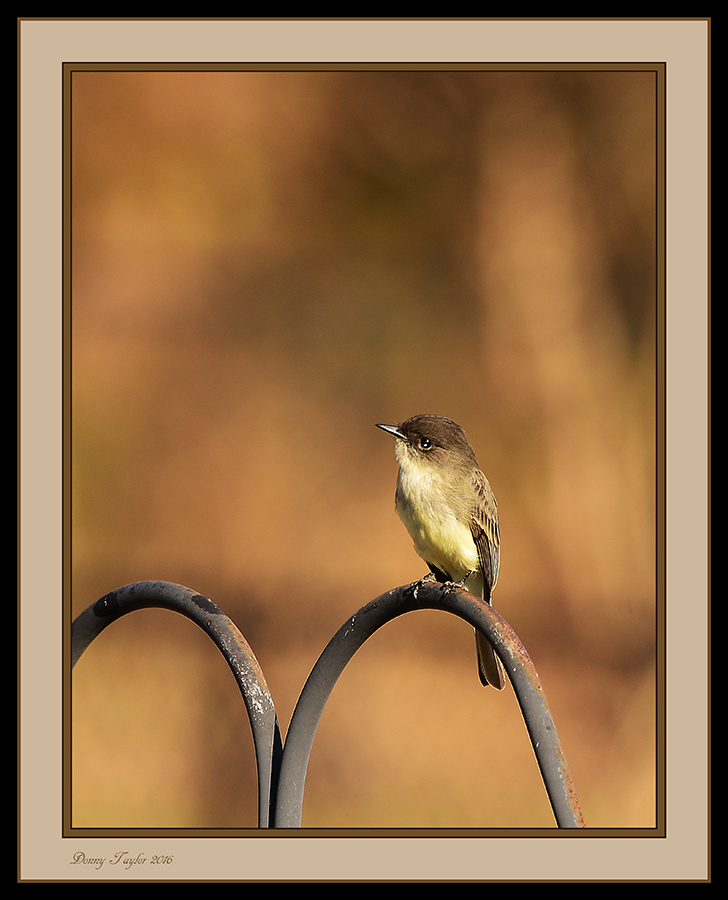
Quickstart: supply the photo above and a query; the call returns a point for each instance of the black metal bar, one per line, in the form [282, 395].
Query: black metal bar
[231, 643]
[282, 772]
[351, 636]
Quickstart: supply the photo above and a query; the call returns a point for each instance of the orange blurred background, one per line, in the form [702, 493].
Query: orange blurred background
[266, 264]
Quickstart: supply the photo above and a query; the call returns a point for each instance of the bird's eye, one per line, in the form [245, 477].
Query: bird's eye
[425, 443]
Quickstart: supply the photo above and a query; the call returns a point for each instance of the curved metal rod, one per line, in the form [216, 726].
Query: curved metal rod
[351, 636]
[232, 644]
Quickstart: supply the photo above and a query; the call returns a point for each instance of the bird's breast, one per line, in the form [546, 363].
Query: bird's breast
[439, 535]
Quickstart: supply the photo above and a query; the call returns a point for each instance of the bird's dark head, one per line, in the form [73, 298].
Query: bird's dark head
[431, 440]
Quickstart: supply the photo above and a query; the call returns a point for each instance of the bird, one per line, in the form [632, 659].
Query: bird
[449, 509]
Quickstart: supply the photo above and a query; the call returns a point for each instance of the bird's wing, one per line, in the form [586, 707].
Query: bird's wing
[486, 533]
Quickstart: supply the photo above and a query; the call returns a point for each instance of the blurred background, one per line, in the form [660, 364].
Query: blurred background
[265, 265]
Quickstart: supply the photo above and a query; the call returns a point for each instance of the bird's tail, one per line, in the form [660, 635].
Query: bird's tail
[490, 668]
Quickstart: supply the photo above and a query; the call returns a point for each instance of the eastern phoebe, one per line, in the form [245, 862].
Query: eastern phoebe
[449, 510]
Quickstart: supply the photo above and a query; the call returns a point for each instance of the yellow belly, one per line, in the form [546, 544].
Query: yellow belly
[438, 536]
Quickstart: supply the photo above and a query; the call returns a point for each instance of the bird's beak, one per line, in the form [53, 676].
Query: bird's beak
[392, 429]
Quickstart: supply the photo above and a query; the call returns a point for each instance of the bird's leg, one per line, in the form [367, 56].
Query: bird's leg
[437, 574]
[424, 580]
[461, 583]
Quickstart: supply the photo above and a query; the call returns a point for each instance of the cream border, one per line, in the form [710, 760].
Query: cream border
[44, 45]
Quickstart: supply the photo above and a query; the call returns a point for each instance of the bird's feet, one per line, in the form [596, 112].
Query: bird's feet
[451, 585]
[424, 580]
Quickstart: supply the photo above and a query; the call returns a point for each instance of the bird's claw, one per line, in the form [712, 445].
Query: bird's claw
[416, 584]
[451, 585]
